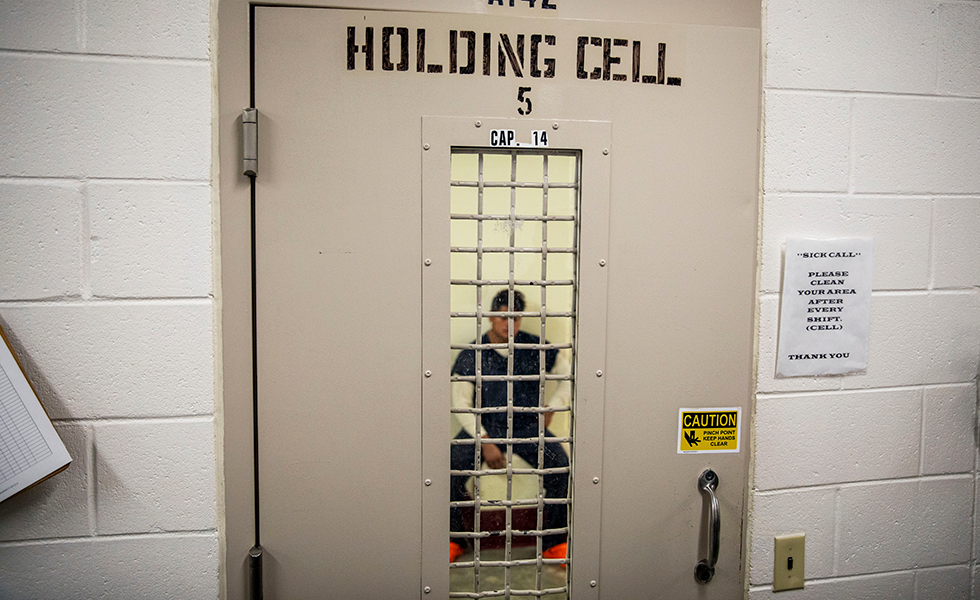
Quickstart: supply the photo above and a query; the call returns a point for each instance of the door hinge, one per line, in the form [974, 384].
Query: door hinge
[255, 573]
[250, 141]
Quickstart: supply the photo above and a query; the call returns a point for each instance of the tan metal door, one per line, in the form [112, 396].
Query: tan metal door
[361, 115]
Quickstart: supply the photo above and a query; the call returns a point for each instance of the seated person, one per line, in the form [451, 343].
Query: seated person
[525, 425]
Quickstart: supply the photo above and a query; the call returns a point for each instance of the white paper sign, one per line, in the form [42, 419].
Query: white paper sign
[826, 309]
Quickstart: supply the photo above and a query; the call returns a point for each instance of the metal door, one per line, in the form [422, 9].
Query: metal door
[360, 112]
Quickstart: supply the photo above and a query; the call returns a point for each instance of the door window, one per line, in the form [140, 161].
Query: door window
[514, 238]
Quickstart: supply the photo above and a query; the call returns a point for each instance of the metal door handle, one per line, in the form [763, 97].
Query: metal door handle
[705, 570]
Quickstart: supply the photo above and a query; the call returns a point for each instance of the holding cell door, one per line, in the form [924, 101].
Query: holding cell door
[394, 407]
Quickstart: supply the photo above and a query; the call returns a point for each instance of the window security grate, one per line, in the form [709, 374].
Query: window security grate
[514, 236]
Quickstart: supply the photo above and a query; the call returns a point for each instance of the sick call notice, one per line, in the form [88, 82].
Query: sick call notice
[826, 308]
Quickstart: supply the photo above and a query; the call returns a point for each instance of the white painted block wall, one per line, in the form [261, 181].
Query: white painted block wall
[106, 291]
[873, 129]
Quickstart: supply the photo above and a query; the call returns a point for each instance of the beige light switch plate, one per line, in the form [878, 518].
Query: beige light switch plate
[787, 572]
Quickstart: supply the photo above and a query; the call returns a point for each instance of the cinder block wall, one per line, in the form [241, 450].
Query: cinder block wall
[873, 129]
[106, 290]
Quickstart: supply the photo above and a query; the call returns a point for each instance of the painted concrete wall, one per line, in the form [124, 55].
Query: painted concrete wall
[872, 128]
[106, 291]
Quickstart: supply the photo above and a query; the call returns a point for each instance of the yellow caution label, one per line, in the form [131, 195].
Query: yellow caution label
[701, 430]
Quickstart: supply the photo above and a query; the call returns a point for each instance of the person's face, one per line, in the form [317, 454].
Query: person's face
[498, 328]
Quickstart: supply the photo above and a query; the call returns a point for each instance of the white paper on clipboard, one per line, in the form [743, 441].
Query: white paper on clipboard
[30, 448]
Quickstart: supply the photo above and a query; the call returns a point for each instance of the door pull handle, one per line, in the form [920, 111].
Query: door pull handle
[705, 570]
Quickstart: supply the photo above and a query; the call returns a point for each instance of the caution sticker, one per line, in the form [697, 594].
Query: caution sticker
[706, 430]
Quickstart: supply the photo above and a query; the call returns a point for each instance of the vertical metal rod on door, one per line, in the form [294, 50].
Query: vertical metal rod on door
[250, 122]
[250, 159]
[255, 553]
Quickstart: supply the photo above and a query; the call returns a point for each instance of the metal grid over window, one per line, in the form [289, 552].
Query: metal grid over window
[514, 236]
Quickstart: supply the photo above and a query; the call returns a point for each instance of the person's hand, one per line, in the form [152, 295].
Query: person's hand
[494, 458]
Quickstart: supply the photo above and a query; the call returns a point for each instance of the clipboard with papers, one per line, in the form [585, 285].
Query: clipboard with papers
[30, 448]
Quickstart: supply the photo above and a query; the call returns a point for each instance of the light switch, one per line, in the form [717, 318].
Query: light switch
[787, 572]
